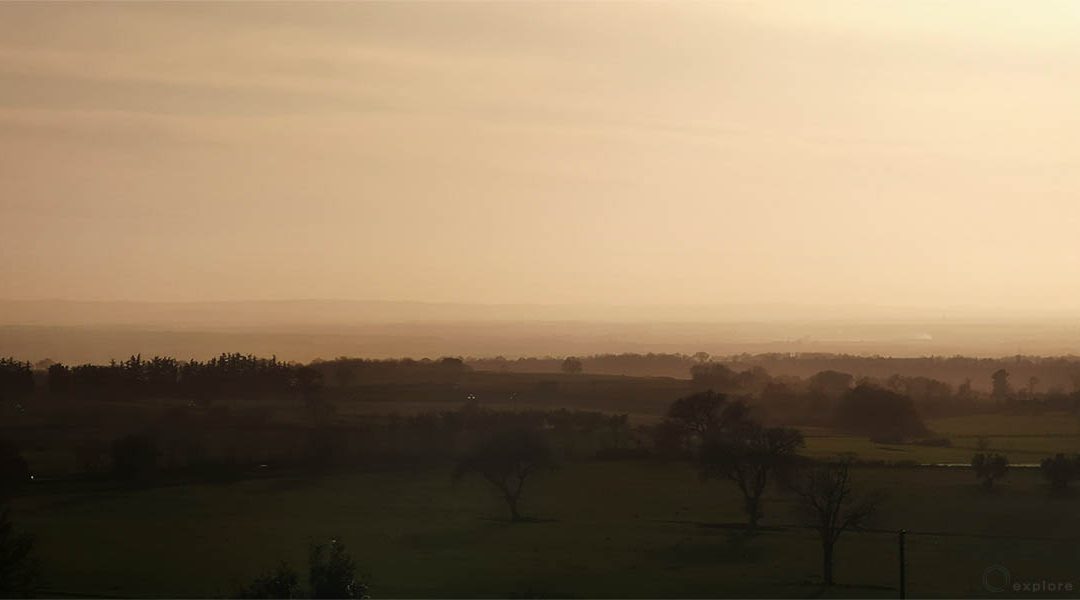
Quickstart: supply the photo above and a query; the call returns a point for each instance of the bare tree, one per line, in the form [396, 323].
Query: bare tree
[832, 507]
[506, 460]
[693, 419]
[706, 413]
[750, 455]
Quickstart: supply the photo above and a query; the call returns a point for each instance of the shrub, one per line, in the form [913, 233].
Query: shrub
[332, 573]
[282, 582]
[1060, 471]
[989, 467]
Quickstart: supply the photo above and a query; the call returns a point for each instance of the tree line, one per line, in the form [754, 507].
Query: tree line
[1060, 373]
[230, 375]
[808, 398]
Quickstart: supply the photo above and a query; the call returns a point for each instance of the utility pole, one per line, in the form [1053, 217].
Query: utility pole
[903, 573]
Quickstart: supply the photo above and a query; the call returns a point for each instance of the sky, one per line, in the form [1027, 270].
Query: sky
[913, 154]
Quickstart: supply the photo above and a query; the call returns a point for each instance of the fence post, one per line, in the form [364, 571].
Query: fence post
[903, 573]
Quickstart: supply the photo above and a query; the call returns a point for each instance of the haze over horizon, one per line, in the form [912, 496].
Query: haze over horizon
[840, 154]
[306, 330]
[327, 311]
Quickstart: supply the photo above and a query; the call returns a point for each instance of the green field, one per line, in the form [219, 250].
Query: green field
[608, 529]
[1023, 439]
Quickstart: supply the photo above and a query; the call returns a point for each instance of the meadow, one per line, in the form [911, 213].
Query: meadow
[638, 526]
[602, 529]
[1024, 439]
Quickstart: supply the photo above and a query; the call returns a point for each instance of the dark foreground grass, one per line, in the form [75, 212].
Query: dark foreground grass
[603, 529]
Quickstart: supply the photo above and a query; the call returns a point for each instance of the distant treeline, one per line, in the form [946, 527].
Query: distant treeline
[1060, 373]
[238, 375]
[796, 388]
[633, 365]
[344, 372]
[1054, 373]
[239, 411]
[234, 375]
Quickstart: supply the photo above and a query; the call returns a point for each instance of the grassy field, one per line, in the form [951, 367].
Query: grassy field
[1047, 424]
[607, 529]
[1023, 439]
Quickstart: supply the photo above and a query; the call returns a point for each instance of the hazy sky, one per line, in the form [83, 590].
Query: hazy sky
[883, 153]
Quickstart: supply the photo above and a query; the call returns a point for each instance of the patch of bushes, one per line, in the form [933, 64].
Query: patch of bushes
[331, 574]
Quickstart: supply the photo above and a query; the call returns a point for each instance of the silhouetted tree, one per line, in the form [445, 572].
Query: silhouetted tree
[308, 382]
[1060, 471]
[161, 375]
[507, 459]
[965, 394]
[692, 418]
[752, 380]
[705, 412]
[715, 376]
[59, 380]
[332, 573]
[1001, 390]
[989, 468]
[572, 365]
[452, 368]
[44, 364]
[880, 413]
[831, 384]
[832, 507]
[928, 394]
[749, 455]
[344, 375]
[135, 457]
[16, 380]
[19, 571]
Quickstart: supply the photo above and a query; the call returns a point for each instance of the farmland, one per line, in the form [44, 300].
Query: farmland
[604, 529]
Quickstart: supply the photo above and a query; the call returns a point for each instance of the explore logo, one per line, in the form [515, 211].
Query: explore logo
[997, 579]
